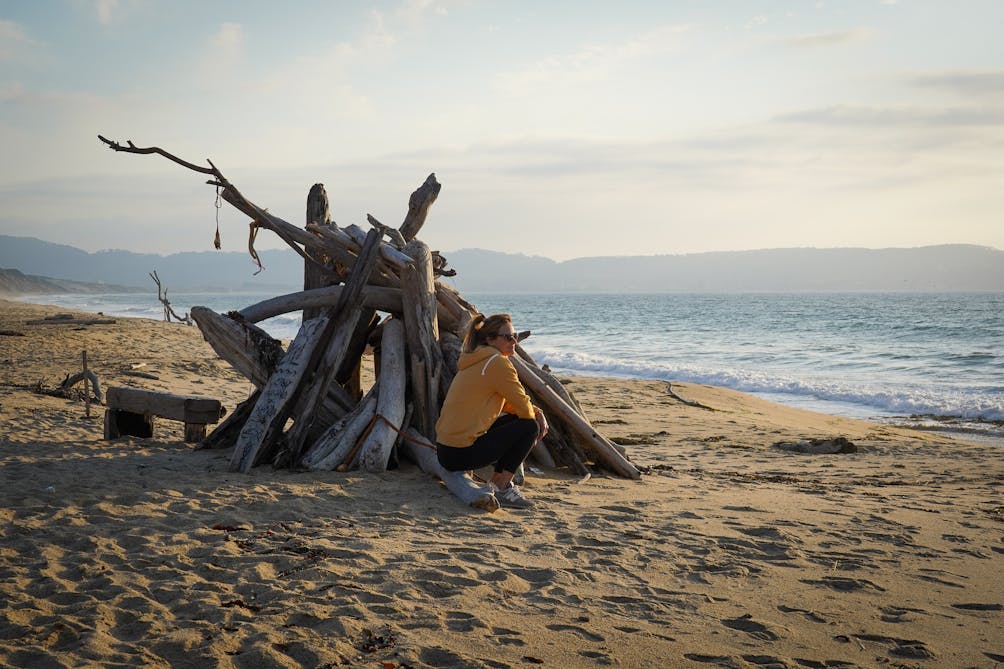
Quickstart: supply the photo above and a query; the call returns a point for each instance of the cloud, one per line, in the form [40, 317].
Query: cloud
[592, 63]
[226, 45]
[830, 38]
[847, 116]
[105, 9]
[969, 83]
[421, 8]
[14, 43]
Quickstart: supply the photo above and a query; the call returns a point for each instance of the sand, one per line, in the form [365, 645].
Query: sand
[729, 552]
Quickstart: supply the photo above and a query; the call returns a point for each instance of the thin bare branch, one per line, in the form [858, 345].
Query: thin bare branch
[132, 148]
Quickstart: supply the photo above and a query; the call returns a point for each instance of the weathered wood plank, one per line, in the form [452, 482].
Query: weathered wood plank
[185, 408]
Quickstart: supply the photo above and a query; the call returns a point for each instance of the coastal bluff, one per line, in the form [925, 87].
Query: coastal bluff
[947, 268]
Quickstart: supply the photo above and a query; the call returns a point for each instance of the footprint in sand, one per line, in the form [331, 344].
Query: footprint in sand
[717, 660]
[754, 629]
[978, 607]
[899, 614]
[461, 621]
[507, 637]
[582, 632]
[844, 584]
[810, 615]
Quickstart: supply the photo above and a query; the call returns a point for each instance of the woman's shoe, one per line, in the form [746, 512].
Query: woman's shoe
[512, 498]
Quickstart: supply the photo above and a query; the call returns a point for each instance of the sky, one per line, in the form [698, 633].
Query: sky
[557, 129]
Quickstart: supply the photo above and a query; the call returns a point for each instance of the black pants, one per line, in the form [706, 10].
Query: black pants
[506, 444]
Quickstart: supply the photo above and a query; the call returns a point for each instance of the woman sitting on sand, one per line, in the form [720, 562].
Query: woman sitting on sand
[487, 417]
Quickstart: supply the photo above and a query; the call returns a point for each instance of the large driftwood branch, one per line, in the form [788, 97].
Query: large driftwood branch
[289, 233]
[604, 450]
[251, 351]
[422, 332]
[318, 213]
[418, 207]
[384, 299]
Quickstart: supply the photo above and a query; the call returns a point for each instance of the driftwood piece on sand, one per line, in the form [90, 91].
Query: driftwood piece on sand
[376, 449]
[90, 376]
[689, 403]
[128, 407]
[423, 453]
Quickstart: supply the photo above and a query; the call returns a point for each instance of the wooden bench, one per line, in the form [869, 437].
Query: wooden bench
[130, 411]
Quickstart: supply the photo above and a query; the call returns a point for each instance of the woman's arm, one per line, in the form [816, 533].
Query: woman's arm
[506, 383]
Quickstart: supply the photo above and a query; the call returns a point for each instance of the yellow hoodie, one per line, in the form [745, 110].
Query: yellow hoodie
[486, 385]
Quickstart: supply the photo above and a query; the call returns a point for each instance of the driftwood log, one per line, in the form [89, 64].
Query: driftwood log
[380, 287]
[375, 451]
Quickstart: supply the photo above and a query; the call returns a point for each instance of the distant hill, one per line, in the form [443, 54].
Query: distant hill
[14, 282]
[948, 268]
[192, 271]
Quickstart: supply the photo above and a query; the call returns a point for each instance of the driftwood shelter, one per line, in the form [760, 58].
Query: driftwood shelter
[378, 290]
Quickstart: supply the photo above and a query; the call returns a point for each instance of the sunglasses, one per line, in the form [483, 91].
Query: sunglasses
[508, 337]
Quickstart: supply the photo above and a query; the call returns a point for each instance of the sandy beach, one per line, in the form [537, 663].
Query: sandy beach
[729, 552]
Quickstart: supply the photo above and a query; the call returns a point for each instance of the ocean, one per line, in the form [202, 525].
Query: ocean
[927, 360]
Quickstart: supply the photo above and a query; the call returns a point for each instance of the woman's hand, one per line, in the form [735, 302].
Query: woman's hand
[541, 423]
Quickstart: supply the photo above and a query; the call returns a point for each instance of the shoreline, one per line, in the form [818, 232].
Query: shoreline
[730, 551]
[983, 431]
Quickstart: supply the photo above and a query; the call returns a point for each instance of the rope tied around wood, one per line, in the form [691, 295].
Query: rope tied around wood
[252, 234]
[366, 433]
